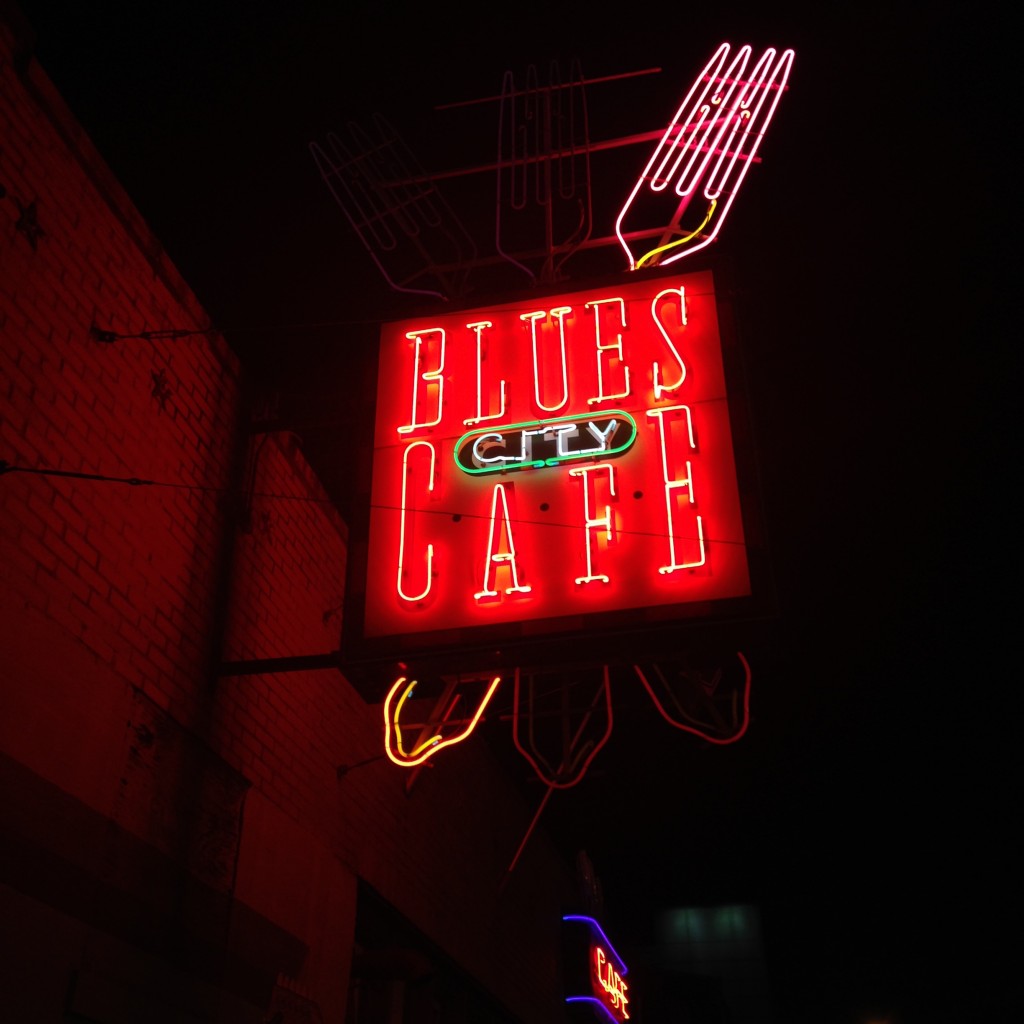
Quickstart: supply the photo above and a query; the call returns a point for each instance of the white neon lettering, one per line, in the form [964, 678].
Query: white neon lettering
[433, 380]
[496, 558]
[602, 436]
[673, 485]
[480, 417]
[402, 522]
[611, 346]
[564, 432]
[527, 439]
[559, 312]
[594, 523]
[494, 440]
[494, 447]
[659, 388]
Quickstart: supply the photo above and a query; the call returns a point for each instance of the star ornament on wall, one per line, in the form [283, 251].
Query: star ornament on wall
[28, 223]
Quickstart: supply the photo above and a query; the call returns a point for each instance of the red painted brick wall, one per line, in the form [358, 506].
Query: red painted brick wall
[117, 602]
[125, 572]
[438, 853]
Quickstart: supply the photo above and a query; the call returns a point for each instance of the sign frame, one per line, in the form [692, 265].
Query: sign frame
[617, 636]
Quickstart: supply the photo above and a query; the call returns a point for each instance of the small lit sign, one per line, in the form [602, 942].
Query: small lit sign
[609, 992]
[557, 457]
[609, 985]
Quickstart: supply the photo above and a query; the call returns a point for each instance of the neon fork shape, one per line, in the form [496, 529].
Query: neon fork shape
[395, 208]
[683, 195]
[543, 207]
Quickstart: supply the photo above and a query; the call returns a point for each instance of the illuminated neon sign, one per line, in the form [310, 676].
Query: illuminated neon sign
[697, 168]
[536, 462]
[547, 443]
[608, 983]
[610, 993]
[438, 738]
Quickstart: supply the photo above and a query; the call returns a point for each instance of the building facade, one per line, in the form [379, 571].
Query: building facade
[179, 843]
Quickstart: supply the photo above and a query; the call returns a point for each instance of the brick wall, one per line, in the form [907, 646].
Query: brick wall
[122, 575]
[167, 823]
[438, 852]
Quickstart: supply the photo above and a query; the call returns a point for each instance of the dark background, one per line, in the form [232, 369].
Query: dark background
[868, 812]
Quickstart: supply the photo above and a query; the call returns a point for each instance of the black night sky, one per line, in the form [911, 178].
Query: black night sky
[867, 812]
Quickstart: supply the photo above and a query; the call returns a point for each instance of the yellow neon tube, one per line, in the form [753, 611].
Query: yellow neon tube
[679, 241]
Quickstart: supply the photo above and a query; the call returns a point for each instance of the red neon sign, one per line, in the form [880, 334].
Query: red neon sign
[704, 155]
[608, 985]
[546, 460]
[437, 740]
[611, 993]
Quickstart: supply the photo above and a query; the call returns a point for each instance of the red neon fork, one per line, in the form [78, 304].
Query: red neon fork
[704, 155]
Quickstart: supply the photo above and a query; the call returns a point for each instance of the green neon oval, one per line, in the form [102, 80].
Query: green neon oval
[507, 467]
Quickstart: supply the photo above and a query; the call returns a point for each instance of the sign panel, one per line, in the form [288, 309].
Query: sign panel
[555, 457]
